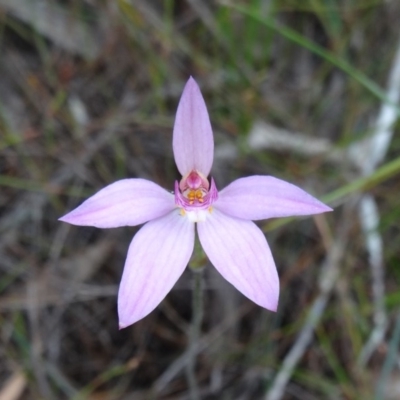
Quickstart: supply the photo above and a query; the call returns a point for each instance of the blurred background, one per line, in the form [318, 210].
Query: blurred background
[306, 91]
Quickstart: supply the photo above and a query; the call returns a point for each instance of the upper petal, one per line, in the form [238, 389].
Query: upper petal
[125, 202]
[193, 142]
[260, 197]
[239, 251]
[157, 256]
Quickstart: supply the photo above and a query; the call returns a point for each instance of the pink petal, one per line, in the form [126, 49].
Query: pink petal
[239, 251]
[261, 197]
[125, 202]
[157, 257]
[193, 142]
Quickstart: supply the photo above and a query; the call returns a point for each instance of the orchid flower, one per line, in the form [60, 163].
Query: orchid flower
[161, 249]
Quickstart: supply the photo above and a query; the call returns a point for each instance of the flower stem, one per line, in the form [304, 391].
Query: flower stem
[194, 332]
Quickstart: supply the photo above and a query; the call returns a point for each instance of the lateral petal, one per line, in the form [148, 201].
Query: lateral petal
[157, 257]
[239, 251]
[193, 142]
[261, 197]
[127, 202]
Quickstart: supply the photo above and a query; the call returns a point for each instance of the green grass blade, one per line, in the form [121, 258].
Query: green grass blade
[295, 37]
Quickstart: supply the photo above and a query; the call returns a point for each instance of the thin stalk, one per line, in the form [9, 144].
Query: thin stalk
[194, 331]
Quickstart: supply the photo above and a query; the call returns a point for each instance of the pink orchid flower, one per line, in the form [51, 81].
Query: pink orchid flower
[161, 249]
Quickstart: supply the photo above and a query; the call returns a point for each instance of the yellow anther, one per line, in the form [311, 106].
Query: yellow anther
[191, 195]
[195, 194]
[182, 212]
[199, 195]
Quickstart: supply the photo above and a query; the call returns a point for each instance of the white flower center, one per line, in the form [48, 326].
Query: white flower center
[199, 215]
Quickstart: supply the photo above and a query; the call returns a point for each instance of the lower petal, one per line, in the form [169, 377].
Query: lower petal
[239, 251]
[157, 257]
